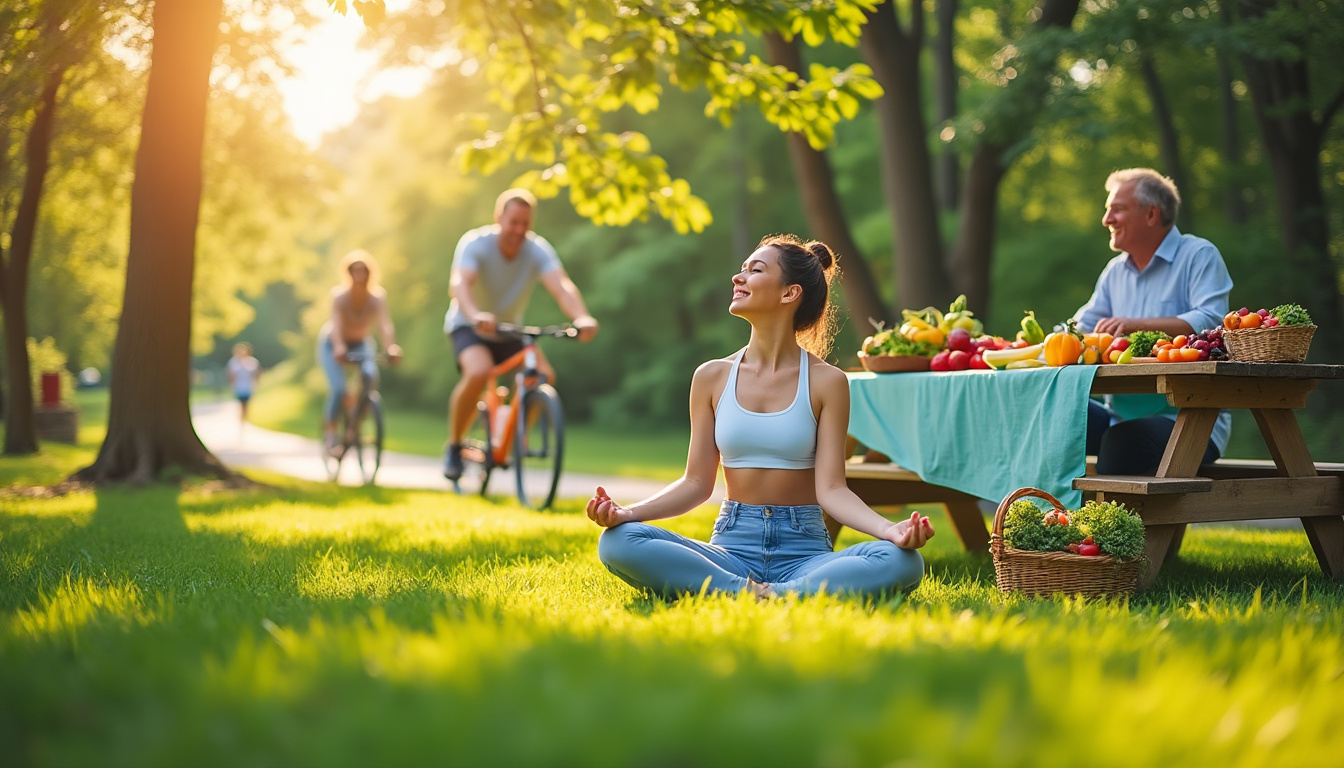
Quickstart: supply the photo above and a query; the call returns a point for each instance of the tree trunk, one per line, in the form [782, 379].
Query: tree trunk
[20, 431]
[907, 170]
[1168, 143]
[972, 259]
[149, 420]
[1234, 196]
[1292, 137]
[825, 214]
[945, 97]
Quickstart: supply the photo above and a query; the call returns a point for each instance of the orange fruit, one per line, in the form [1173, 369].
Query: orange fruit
[1232, 321]
[1162, 355]
[1179, 341]
[1251, 320]
[1189, 354]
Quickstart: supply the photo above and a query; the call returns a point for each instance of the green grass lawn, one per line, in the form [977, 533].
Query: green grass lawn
[311, 625]
[660, 455]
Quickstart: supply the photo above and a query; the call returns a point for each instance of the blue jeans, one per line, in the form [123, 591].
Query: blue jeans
[786, 547]
[1131, 446]
[326, 355]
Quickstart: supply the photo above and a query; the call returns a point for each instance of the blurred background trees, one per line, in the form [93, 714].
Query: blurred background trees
[977, 169]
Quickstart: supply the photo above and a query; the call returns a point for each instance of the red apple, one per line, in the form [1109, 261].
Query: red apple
[978, 362]
[958, 360]
[939, 361]
[1114, 351]
[959, 340]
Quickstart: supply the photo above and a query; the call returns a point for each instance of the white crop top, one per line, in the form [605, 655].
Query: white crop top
[784, 439]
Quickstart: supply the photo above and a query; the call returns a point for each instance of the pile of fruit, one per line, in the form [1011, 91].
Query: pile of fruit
[1205, 345]
[955, 339]
[1283, 315]
[1096, 528]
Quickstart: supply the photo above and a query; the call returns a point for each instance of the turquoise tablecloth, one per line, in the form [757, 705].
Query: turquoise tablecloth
[986, 433]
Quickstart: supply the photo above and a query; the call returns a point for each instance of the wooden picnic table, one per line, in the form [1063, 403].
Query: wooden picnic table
[1179, 495]
[1183, 491]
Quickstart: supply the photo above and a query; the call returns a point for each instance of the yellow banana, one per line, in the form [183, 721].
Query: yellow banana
[1002, 358]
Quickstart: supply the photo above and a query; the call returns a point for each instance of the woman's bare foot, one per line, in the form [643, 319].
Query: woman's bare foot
[761, 590]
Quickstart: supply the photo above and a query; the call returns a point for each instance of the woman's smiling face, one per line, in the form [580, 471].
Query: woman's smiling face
[759, 285]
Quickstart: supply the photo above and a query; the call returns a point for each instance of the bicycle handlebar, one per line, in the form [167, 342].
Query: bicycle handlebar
[557, 331]
[359, 356]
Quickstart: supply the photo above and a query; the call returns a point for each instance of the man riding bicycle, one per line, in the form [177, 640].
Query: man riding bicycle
[355, 306]
[494, 270]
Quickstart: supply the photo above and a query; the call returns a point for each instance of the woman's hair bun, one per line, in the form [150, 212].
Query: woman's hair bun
[822, 252]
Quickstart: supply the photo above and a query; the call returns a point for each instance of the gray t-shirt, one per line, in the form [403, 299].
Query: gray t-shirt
[503, 286]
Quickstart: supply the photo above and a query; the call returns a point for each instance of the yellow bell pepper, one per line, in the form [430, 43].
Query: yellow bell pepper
[934, 336]
[1062, 349]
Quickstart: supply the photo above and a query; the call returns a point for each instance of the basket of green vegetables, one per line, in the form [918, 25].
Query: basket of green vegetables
[1094, 551]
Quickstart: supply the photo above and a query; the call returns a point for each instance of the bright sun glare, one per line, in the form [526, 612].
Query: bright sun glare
[333, 76]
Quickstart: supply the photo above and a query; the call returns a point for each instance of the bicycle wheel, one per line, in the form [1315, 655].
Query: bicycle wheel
[538, 449]
[331, 459]
[353, 438]
[478, 452]
[372, 430]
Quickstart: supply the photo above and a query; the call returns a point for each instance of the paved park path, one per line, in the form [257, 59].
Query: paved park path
[297, 456]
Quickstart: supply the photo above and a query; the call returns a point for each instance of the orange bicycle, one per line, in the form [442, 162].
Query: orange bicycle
[530, 428]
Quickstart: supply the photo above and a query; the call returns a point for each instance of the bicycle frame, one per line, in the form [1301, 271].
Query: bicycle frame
[357, 403]
[528, 377]
[503, 425]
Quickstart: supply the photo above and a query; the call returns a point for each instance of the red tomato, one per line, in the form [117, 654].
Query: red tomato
[1089, 550]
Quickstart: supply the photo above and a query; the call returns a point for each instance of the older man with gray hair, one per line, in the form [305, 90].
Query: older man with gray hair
[1162, 280]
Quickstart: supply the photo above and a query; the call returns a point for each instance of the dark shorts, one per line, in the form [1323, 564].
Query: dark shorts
[243, 397]
[499, 350]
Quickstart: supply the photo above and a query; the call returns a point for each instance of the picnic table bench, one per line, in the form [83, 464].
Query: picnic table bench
[1291, 485]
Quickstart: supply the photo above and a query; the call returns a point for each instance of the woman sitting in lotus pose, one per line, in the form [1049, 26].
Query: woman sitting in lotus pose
[776, 415]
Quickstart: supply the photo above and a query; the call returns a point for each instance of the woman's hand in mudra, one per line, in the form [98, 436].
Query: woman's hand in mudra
[910, 534]
[605, 512]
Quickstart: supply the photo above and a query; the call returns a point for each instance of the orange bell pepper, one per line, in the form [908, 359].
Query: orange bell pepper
[1101, 341]
[1062, 349]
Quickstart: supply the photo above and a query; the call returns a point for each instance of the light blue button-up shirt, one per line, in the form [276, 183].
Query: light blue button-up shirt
[1186, 278]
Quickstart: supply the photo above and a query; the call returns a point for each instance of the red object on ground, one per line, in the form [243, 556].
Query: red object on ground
[51, 390]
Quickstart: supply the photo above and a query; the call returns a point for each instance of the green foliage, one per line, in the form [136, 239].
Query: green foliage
[561, 71]
[1024, 527]
[1113, 528]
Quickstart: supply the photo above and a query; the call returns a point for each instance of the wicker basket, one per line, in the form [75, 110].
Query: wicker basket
[1281, 344]
[1045, 573]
